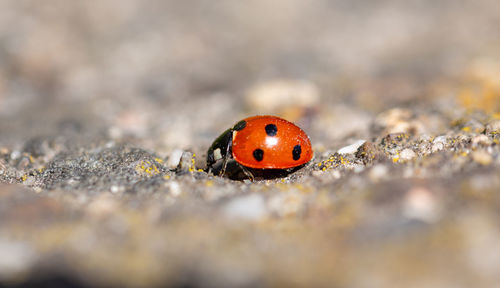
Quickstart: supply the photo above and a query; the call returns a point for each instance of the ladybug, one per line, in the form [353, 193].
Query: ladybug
[261, 142]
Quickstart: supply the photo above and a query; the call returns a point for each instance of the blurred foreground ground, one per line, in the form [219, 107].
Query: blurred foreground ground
[108, 107]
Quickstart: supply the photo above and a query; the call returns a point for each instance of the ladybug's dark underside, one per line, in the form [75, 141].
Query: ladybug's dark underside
[223, 144]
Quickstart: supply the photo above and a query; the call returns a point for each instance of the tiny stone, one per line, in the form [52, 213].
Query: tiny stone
[102, 206]
[317, 173]
[17, 257]
[437, 147]
[116, 189]
[23, 163]
[115, 132]
[15, 155]
[174, 158]
[481, 140]
[175, 188]
[438, 143]
[493, 126]
[425, 138]
[369, 152]
[30, 181]
[336, 174]
[393, 116]
[250, 207]
[407, 154]
[359, 169]
[439, 139]
[351, 149]
[185, 162]
[420, 204]
[473, 126]
[279, 94]
[378, 172]
[286, 204]
[482, 157]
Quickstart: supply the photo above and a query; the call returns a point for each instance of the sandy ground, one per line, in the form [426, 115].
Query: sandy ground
[107, 109]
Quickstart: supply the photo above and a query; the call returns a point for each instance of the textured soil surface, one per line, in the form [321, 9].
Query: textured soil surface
[107, 109]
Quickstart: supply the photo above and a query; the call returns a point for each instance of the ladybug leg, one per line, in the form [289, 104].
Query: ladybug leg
[247, 172]
[229, 155]
[224, 165]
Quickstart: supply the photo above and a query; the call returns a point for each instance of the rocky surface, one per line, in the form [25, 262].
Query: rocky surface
[107, 110]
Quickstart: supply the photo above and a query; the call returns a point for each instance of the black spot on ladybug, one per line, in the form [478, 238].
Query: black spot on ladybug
[271, 130]
[297, 150]
[258, 154]
[240, 125]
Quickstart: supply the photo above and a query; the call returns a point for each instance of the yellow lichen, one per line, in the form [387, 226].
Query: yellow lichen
[466, 129]
[147, 167]
[193, 161]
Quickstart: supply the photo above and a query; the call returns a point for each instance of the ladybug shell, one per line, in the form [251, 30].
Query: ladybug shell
[270, 142]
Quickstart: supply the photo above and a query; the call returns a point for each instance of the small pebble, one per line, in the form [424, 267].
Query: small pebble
[482, 157]
[407, 154]
[175, 189]
[336, 174]
[15, 155]
[103, 205]
[493, 127]
[250, 207]
[359, 168]
[420, 204]
[369, 152]
[392, 116]
[277, 95]
[17, 257]
[378, 172]
[288, 204]
[481, 140]
[317, 173]
[116, 188]
[30, 181]
[351, 149]
[186, 162]
[174, 158]
[438, 144]
[439, 139]
[398, 120]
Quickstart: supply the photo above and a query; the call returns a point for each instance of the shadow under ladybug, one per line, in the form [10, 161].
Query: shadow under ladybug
[236, 171]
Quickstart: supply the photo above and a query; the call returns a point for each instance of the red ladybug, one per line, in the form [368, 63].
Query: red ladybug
[261, 142]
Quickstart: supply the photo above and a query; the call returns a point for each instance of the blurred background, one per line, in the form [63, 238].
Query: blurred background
[186, 70]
